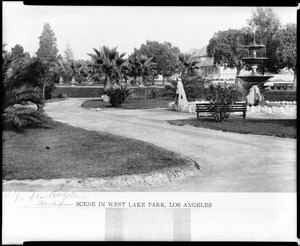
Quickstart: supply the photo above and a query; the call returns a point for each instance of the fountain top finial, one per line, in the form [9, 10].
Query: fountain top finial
[254, 45]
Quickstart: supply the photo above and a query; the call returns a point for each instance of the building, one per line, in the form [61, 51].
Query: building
[206, 65]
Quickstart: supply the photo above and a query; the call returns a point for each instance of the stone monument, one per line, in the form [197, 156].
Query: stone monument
[61, 80]
[73, 81]
[181, 102]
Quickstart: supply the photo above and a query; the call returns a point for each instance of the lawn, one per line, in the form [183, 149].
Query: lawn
[71, 152]
[286, 128]
[134, 103]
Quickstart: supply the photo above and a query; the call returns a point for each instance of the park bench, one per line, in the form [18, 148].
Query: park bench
[235, 107]
[284, 86]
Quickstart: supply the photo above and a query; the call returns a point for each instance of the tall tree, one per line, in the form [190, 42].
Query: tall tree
[47, 50]
[286, 50]
[226, 47]
[17, 51]
[266, 26]
[164, 55]
[68, 53]
[109, 62]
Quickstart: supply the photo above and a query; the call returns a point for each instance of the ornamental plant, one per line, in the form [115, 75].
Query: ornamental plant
[220, 97]
[117, 94]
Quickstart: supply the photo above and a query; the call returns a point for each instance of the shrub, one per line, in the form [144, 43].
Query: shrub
[193, 86]
[170, 90]
[60, 95]
[220, 97]
[17, 93]
[117, 94]
[154, 91]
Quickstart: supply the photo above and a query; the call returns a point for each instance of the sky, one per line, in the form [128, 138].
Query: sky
[88, 27]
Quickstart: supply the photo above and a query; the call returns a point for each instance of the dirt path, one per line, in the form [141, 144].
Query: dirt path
[229, 162]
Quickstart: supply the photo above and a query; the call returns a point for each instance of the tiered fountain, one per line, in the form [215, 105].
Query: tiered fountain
[254, 97]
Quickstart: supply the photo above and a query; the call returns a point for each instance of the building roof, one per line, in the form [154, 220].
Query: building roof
[198, 52]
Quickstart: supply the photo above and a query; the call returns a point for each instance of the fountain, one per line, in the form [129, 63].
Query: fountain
[254, 79]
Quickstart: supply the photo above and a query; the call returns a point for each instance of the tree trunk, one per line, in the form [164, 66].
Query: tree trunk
[238, 70]
[143, 82]
[44, 92]
[163, 82]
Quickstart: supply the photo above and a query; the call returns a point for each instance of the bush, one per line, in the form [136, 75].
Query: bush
[220, 97]
[193, 86]
[170, 90]
[60, 95]
[117, 94]
[154, 91]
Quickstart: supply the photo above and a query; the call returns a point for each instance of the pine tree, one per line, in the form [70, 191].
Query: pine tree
[68, 56]
[48, 49]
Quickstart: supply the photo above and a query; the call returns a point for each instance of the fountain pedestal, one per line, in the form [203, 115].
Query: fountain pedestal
[254, 97]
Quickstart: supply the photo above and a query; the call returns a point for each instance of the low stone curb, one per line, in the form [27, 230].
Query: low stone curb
[147, 179]
[271, 108]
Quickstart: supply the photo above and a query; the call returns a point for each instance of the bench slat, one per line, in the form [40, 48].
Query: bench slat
[236, 107]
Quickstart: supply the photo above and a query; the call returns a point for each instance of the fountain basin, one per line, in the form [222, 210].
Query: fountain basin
[254, 61]
[254, 46]
[255, 78]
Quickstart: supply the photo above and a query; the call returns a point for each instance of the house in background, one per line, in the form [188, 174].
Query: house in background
[206, 65]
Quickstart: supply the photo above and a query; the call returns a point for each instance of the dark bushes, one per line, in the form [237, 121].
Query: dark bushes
[117, 94]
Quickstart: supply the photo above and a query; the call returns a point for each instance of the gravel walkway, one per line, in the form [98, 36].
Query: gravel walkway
[229, 162]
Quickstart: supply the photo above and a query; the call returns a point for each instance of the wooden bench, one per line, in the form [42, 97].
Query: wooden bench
[236, 107]
[284, 86]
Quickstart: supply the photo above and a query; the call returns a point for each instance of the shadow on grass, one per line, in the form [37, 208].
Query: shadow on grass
[286, 128]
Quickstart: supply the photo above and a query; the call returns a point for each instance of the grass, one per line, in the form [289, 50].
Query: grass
[71, 152]
[285, 128]
[134, 103]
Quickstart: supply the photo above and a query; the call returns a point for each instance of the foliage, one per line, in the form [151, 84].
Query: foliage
[17, 92]
[110, 63]
[193, 86]
[68, 53]
[266, 24]
[164, 55]
[170, 90]
[117, 94]
[45, 77]
[47, 50]
[220, 97]
[187, 66]
[17, 51]
[154, 92]
[60, 95]
[286, 50]
[226, 47]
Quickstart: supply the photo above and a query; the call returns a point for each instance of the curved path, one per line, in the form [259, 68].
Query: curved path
[229, 162]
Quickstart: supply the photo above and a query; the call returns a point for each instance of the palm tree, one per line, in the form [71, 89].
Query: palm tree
[146, 66]
[187, 65]
[110, 62]
[17, 92]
